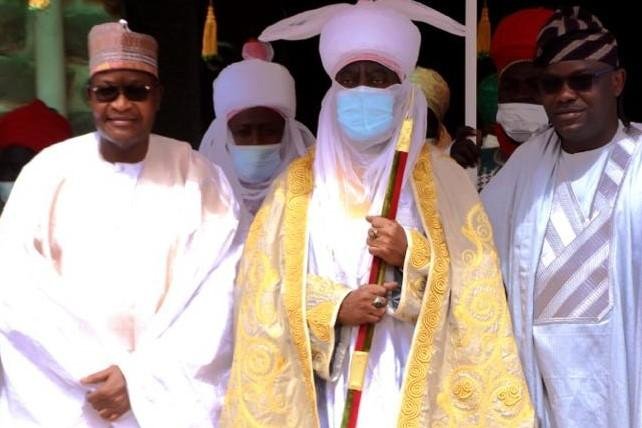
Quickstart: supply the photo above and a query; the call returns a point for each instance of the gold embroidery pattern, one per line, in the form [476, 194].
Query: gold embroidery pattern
[252, 385]
[264, 367]
[417, 370]
[488, 390]
[299, 184]
[420, 256]
[319, 318]
[323, 300]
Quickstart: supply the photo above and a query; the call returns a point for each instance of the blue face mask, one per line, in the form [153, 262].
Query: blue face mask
[5, 189]
[366, 114]
[255, 164]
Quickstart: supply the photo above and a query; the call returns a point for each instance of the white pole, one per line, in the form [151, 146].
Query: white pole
[470, 107]
[471, 64]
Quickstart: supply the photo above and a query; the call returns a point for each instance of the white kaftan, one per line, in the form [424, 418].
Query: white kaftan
[116, 264]
[580, 373]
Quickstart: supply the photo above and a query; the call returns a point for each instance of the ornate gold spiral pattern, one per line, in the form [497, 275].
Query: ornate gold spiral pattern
[419, 362]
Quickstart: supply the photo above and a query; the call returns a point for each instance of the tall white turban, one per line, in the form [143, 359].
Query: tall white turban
[379, 30]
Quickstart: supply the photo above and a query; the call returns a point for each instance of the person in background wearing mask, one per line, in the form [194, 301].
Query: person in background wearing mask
[566, 210]
[303, 281]
[115, 296]
[255, 135]
[24, 132]
[437, 93]
[519, 112]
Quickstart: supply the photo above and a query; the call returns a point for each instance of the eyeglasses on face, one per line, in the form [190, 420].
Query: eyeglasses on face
[109, 93]
[580, 82]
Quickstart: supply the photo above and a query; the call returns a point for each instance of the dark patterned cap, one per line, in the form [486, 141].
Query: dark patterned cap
[573, 33]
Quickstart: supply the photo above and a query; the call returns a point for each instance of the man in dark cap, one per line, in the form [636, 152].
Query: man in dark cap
[566, 212]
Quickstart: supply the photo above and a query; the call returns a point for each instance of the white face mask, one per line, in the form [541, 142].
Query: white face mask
[255, 164]
[5, 189]
[366, 114]
[521, 120]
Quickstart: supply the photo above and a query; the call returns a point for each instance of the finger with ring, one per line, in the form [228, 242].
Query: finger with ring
[372, 233]
[379, 302]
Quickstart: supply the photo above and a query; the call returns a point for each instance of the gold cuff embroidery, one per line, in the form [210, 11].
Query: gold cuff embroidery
[416, 267]
[320, 319]
[323, 300]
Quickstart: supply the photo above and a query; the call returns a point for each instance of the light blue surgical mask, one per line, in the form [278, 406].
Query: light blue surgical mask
[5, 189]
[256, 163]
[366, 114]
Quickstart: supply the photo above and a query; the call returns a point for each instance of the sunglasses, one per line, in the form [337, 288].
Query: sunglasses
[580, 82]
[109, 93]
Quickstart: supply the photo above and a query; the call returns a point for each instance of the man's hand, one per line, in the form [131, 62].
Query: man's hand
[466, 148]
[387, 240]
[358, 306]
[110, 399]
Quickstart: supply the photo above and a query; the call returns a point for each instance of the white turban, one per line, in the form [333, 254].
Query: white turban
[370, 32]
[381, 31]
[254, 83]
[241, 86]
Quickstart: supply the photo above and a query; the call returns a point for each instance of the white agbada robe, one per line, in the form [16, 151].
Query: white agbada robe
[579, 374]
[116, 264]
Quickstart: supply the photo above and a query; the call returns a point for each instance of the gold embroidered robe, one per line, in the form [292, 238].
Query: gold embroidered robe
[463, 368]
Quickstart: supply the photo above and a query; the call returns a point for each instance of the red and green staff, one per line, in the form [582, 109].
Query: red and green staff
[359, 360]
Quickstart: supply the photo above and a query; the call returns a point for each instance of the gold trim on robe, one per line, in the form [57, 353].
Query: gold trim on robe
[463, 368]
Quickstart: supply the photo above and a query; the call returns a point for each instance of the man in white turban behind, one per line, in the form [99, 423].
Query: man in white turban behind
[442, 353]
[255, 135]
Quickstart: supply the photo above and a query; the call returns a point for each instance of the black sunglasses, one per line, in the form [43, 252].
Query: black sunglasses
[109, 93]
[580, 82]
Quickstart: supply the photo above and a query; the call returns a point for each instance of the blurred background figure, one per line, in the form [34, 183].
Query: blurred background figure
[437, 93]
[24, 132]
[519, 111]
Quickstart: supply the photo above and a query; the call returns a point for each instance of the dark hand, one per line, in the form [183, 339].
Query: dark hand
[110, 399]
[466, 148]
[387, 240]
[358, 308]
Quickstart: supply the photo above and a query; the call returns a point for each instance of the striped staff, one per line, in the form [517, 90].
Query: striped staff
[359, 360]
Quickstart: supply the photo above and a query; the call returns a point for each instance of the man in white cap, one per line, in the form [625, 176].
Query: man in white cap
[255, 134]
[442, 352]
[115, 295]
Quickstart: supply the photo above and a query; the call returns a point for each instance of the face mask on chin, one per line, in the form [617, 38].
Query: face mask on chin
[521, 120]
[366, 115]
[5, 190]
[257, 163]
